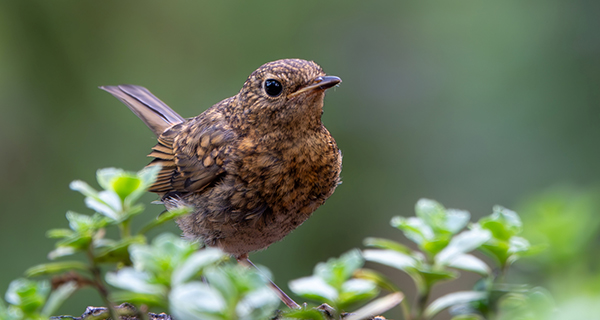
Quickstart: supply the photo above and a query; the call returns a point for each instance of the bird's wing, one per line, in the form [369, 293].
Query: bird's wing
[192, 155]
[155, 113]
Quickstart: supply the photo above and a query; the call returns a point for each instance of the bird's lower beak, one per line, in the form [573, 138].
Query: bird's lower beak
[320, 83]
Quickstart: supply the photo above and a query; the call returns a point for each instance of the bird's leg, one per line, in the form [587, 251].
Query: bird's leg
[244, 260]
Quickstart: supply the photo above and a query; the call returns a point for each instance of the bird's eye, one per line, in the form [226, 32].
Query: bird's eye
[273, 87]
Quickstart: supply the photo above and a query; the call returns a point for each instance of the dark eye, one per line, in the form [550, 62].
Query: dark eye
[273, 87]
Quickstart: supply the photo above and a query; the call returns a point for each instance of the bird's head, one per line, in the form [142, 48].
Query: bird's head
[286, 92]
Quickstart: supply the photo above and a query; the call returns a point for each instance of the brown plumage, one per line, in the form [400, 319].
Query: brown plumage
[254, 166]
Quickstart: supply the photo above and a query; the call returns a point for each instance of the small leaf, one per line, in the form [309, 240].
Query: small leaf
[58, 297]
[118, 251]
[471, 263]
[386, 244]
[55, 267]
[125, 185]
[305, 313]
[28, 295]
[196, 300]
[159, 259]
[415, 229]
[134, 281]
[355, 290]
[139, 298]
[433, 276]
[59, 233]
[518, 245]
[61, 252]
[452, 299]
[314, 288]
[147, 177]
[503, 223]
[101, 207]
[391, 258]
[336, 271]
[376, 307]
[258, 304]
[194, 265]
[431, 212]
[105, 177]
[83, 188]
[380, 280]
[462, 243]
[456, 220]
[169, 215]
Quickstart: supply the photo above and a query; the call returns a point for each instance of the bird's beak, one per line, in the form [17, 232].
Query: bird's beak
[320, 83]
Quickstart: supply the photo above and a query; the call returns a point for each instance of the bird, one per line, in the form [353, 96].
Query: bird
[254, 166]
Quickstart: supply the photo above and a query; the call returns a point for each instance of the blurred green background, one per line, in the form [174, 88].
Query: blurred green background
[470, 103]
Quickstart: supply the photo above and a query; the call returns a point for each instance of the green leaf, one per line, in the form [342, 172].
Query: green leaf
[503, 223]
[128, 186]
[61, 252]
[107, 203]
[413, 228]
[433, 276]
[196, 300]
[391, 258]
[336, 271]
[84, 224]
[56, 267]
[386, 244]
[195, 264]
[118, 251]
[314, 288]
[376, 307]
[159, 259]
[258, 304]
[431, 212]
[58, 297]
[83, 188]
[147, 176]
[456, 220]
[355, 290]
[471, 263]
[462, 243]
[135, 281]
[59, 233]
[453, 299]
[28, 295]
[139, 298]
[169, 215]
[518, 245]
[125, 185]
[434, 246]
[380, 280]
[304, 313]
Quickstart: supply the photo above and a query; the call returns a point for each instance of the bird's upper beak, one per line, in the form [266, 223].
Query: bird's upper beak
[319, 83]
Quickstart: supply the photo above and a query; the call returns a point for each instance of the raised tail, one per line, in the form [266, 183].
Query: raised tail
[155, 113]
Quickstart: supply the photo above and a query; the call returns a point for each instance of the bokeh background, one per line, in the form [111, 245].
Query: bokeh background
[470, 103]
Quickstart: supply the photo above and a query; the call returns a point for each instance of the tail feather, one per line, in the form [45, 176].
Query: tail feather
[155, 113]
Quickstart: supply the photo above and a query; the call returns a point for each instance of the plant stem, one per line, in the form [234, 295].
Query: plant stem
[125, 229]
[422, 299]
[99, 285]
[405, 309]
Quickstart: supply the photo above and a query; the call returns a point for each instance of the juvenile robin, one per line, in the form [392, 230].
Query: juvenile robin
[254, 166]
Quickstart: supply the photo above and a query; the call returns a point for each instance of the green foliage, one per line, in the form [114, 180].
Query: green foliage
[29, 299]
[444, 249]
[167, 274]
[173, 274]
[333, 283]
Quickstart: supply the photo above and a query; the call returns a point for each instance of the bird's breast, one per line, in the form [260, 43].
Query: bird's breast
[291, 172]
